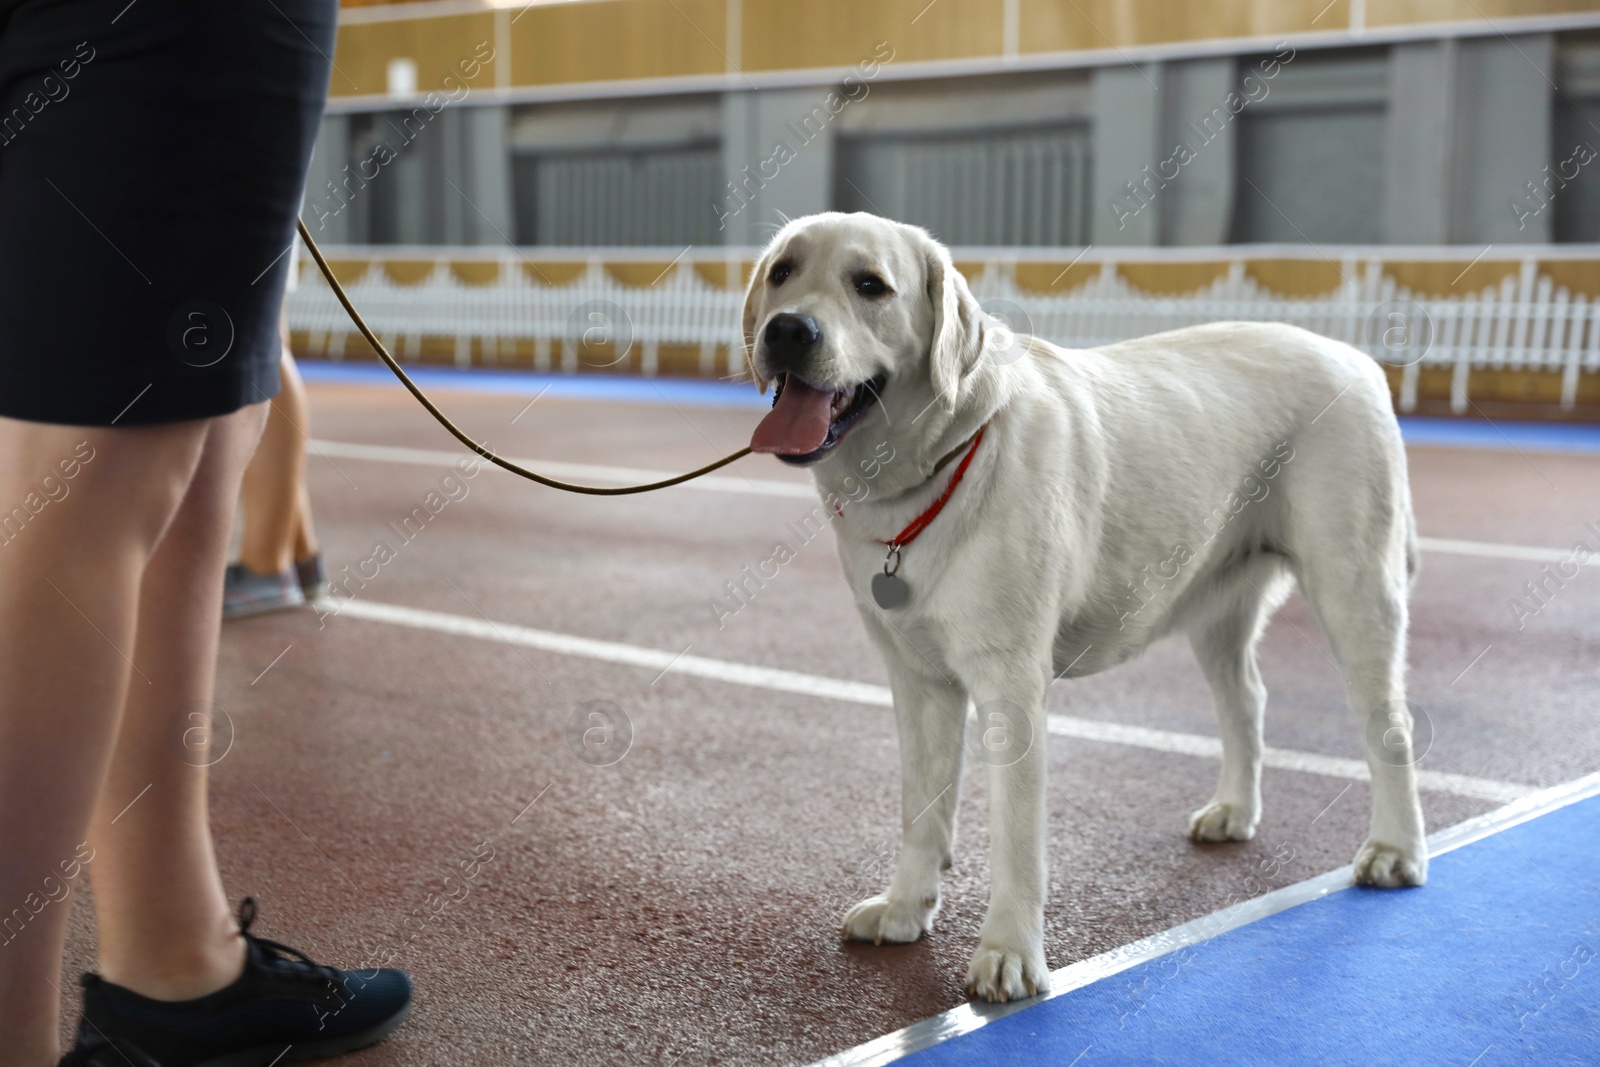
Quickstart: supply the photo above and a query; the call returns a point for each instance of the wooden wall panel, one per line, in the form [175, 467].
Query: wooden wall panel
[1578, 275]
[605, 40]
[438, 45]
[783, 34]
[408, 271]
[1439, 278]
[1171, 279]
[618, 39]
[1295, 277]
[553, 273]
[476, 273]
[639, 274]
[1406, 12]
[1056, 25]
[1055, 279]
[348, 271]
[719, 275]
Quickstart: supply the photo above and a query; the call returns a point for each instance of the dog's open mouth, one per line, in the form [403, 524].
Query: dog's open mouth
[806, 422]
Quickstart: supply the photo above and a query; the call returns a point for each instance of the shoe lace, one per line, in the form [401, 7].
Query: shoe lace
[286, 958]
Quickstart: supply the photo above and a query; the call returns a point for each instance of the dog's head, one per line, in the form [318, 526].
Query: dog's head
[847, 315]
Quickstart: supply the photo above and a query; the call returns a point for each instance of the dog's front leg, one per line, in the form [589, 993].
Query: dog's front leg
[931, 712]
[1009, 963]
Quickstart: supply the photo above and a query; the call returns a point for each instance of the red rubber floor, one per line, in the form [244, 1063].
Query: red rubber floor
[681, 905]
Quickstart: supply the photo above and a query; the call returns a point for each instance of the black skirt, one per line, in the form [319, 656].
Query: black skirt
[152, 160]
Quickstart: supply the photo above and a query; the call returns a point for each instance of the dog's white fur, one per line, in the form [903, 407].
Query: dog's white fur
[1102, 511]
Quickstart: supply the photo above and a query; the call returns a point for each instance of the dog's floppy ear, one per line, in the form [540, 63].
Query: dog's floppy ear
[752, 294]
[957, 326]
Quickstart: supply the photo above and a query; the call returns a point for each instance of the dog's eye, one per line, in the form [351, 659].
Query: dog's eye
[871, 285]
[779, 272]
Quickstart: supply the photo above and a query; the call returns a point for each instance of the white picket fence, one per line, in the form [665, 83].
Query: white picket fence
[1524, 322]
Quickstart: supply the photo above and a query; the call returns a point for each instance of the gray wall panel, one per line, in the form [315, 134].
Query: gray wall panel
[1420, 143]
[1310, 174]
[777, 159]
[1126, 102]
[1005, 187]
[1505, 114]
[1196, 207]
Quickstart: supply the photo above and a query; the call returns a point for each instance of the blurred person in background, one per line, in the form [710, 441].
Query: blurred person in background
[147, 194]
[279, 565]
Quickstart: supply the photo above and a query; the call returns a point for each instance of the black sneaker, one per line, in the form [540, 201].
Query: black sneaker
[283, 1009]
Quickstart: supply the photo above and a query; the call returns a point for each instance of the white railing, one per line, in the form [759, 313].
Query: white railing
[1525, 321]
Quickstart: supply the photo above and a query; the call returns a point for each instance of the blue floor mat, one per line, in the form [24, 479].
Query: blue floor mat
[528, 383]
[1418, 430]
[1501, 434]
[1495, 962]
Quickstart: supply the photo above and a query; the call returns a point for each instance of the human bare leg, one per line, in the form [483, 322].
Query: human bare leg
[165, 928]
[275, 509]
[70, 578]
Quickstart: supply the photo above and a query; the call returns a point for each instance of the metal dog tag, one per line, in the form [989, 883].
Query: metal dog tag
[890, 591]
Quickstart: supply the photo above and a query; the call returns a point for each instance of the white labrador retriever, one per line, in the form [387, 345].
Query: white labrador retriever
[1106, 497]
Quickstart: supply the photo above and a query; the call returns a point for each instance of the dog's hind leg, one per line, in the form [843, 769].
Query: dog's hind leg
[1348, 526]
[931, 713]
[1356, 582]
[1362, 609]
[1225, 644]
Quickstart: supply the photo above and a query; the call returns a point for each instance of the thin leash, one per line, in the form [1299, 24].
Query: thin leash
[457, 432]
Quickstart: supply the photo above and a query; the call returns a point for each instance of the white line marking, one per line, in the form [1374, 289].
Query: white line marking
[1284, 759]
[969, 1017]
[879, 696]
[613, 652]
[1488, 550]
[428, 457]
[668, 667]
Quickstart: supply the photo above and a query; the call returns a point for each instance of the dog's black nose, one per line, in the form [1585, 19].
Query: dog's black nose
[789, 337]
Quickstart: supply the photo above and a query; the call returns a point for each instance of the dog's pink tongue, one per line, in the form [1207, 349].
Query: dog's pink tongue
[797, 423]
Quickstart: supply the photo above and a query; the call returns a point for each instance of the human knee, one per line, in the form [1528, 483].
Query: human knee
[105, 484]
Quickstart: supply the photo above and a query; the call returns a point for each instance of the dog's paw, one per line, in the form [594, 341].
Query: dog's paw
[879, 919]
[1218, 821]
[1002, 973]
[1388, 867]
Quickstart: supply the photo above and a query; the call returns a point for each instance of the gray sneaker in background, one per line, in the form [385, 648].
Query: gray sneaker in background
[313, 579]
[245, 593]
